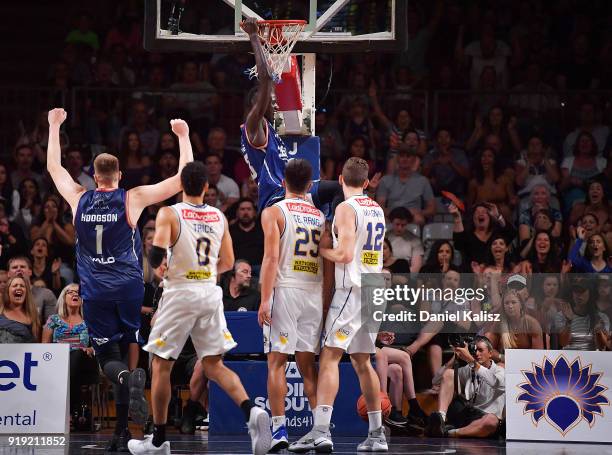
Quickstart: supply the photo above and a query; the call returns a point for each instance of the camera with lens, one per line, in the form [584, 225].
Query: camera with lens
[460, 340]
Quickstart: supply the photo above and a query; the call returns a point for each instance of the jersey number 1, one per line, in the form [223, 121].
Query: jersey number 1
[99, 231]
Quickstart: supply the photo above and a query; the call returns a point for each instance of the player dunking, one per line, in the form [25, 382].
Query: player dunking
[358, 231]
[200, 248]
[291, 310]
[261, 146]
[108, 252]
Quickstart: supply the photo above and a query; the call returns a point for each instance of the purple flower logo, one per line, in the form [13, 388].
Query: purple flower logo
[562, 393]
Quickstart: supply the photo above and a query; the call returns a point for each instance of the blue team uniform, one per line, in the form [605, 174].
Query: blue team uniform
[267, 165]
[109, 252]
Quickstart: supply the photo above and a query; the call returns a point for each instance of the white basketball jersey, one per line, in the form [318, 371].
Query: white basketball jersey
[300, 265]
[193, 257]
[367, 258]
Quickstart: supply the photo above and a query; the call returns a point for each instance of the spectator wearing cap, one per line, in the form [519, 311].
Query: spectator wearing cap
[404, 244]
[238, 295]
[447, 167]
[407, 188]
[74, 166]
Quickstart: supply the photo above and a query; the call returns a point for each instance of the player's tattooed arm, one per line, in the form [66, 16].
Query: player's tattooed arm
[345, 224]
[271, 224]
[255, 126]
[67, 187]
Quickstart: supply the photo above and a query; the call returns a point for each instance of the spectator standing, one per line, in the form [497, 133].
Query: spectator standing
[407, 188]
[46, 267]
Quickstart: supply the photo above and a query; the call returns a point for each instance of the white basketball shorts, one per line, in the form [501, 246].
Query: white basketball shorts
[188, 310]
[297, 319]
[344, 328]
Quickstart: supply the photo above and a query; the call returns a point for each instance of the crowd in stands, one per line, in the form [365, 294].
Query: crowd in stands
[537, 191]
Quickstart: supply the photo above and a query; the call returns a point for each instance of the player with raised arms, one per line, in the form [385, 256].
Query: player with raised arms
[263, 149]
[358, 231]
[291, 310]
[108, 253]
[199, 247]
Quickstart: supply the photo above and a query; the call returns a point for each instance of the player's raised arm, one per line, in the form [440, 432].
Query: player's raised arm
[270, 219]
[143, 196]
[255, 127]
[226, 252]
[344, 220]
[67, 187]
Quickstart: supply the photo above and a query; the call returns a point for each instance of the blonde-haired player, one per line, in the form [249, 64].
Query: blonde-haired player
[358, 231]
[291, 310]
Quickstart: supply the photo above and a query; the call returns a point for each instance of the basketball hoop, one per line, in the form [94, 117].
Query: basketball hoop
[278, 39]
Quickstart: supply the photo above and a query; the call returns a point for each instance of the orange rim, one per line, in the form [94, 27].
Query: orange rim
[275, 27]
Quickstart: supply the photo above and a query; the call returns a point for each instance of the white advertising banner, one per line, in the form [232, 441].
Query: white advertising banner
[34, 388]
[558, 395]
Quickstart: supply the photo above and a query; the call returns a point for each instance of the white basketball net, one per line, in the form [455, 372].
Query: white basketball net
[277, 43]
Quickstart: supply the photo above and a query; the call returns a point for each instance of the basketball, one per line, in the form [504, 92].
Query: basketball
[385, 406]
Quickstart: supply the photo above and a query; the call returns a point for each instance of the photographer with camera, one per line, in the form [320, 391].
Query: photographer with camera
[471, 399]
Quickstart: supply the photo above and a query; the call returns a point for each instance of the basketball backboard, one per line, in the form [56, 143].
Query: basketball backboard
[353, 26]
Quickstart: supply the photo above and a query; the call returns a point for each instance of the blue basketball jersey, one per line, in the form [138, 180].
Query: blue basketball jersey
[108, 248]
[267, 164]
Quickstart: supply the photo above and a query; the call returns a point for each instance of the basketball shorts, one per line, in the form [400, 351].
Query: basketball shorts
[112, 321]
[344, 328]
[190, 310]
[297, 319]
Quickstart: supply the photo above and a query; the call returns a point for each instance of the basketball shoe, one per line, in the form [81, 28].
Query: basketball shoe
[280, 439]
[318, 439]
[376, 442]
[259, 430]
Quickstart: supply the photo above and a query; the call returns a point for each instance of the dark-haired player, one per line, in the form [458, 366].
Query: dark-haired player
[108, 252]
[199, 248]
[358, 231]
[263, 149]
[291, 309]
